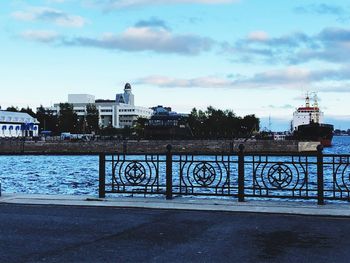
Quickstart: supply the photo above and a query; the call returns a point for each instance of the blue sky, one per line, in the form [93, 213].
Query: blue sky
[250, 56]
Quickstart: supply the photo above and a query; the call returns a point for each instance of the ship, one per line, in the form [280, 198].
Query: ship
[307, 124]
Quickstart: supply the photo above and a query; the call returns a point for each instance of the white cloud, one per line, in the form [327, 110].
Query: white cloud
[117, 4]
[40, 35]
[47, 14]
[331, 80]
[259, 36]
[203, 82]
[157, 40]
[56, 1]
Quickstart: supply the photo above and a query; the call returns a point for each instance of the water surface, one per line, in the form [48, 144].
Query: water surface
[76, 175]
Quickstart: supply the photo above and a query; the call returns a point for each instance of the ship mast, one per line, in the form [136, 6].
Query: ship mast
[316, 108]
[307, 100]
[315, 101]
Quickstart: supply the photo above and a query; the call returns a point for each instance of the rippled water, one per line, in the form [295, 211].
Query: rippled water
[341, 145]
[49, 174]
[77, 175]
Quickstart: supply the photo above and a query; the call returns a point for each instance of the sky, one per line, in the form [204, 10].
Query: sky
[250, 56]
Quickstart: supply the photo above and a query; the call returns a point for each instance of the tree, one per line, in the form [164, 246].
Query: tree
[216, 123]
[48, 121]
[67, 119]
[12, 108]
[139, 127]
[251, 123]
[92, 118]
[29, 111]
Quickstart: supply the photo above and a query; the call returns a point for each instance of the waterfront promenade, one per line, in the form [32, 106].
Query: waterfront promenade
[37, 228]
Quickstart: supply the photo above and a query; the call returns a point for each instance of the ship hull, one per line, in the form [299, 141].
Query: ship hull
[322, 133]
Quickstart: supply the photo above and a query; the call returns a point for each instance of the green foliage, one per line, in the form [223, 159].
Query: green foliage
[29, 111]
[92, 118]
[12, 108]
[139, 127]
[216, 123]
[67, 119]
[48, 121]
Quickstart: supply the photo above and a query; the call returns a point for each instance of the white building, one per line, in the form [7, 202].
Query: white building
[118, 113]
[18, 124]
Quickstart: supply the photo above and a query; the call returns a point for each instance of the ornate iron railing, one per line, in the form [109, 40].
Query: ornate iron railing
[135, 174]
[205, 174]
[287, 176]
[240, 175]
[337, 177]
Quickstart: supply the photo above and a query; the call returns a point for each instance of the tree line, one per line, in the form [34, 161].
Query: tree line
[215, 123]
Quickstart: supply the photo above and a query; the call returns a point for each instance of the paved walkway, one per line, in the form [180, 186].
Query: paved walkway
[181, 203]
[51, 233]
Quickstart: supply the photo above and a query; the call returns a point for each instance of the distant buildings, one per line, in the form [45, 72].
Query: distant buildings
[118, 113]
[17, 124]
[166, 124]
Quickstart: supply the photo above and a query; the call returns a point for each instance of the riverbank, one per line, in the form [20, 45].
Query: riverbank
[144, 146]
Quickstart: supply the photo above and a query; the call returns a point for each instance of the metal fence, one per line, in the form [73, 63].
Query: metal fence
[240, 175]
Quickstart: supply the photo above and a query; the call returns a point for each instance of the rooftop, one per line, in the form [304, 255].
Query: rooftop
[10, 116]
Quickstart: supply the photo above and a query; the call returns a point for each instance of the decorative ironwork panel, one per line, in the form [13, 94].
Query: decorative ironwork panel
[337, 177]
[205, 175]
[135, 174]
[281, 176]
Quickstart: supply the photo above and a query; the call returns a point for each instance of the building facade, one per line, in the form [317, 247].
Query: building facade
[18, 124]
[118, 113]
[167, 124]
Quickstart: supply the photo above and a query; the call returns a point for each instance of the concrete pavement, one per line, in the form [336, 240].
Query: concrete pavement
[182, 203]
[51, 233]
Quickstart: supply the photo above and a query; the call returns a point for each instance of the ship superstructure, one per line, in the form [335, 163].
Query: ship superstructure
[307, 114]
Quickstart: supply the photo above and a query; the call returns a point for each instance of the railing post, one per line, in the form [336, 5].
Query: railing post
[102, 176]
[169, 173]
[125, 147]
[241, 173]
[320, 183]
[231, 147]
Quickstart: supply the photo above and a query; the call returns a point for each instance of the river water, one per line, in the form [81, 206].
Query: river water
[76, 175]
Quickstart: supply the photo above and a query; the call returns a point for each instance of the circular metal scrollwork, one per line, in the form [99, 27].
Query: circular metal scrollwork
[204, 174]
[135, 173]
[346, 178]
[280, 175]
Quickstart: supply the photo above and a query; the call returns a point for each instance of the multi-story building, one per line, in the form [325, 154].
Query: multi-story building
[18, 124]
[167, 124]
[118, 113]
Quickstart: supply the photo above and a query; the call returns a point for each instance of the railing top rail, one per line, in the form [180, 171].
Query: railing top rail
[49, 153]
[247, 154]
[311, 154]
[336, 155]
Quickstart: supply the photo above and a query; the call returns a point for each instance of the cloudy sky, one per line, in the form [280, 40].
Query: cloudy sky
[251, 56]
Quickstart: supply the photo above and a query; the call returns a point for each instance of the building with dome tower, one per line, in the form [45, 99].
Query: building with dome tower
[118, 113]
[127, 97]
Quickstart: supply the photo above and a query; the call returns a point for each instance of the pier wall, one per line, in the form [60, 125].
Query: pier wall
[218, 146]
